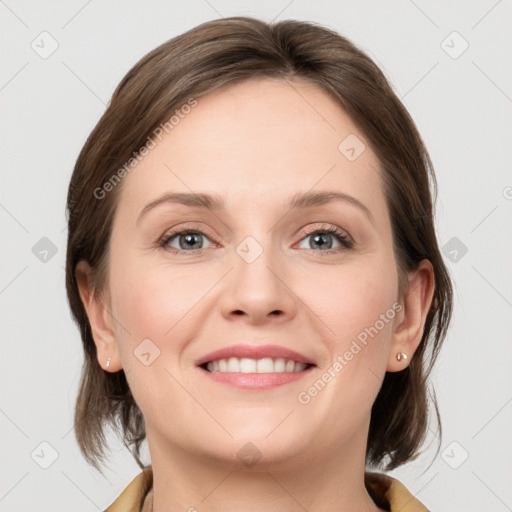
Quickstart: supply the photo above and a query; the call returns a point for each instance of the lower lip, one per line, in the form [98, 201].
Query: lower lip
[257, 381]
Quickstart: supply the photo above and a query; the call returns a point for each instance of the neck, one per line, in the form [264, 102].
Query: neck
[316, 482]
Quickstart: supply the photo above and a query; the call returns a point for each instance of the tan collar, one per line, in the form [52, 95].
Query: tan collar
[387, 492]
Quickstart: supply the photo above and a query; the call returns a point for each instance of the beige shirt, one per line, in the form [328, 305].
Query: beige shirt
[387, 492]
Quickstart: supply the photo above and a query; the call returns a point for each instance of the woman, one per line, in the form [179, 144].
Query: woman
[253, 265]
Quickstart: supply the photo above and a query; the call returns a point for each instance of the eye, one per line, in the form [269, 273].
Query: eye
[324, 239]
[185, 240]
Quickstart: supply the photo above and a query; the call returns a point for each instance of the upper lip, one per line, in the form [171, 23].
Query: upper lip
[254, 352]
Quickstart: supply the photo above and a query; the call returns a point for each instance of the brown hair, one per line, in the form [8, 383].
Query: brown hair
[194, 64]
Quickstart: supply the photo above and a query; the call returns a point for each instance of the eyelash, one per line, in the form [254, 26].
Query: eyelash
[340, 235]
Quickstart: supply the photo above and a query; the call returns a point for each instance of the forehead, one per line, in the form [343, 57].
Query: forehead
[262, 138]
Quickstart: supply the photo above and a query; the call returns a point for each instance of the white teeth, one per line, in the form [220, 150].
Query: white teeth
[265, 365]
[279, 365]
[233, 365]
[247, 365]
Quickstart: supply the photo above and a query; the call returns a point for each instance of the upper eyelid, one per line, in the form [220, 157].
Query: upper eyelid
[327, 227]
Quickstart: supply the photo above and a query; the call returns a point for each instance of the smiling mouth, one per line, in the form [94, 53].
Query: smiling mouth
[249, 365]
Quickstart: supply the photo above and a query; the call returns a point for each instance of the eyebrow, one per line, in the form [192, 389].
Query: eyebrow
[300, 200]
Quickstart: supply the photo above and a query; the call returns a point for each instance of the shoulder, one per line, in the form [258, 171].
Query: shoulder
[389, 492]
[132, 498]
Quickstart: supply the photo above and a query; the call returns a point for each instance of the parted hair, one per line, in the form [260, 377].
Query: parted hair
[191, 65]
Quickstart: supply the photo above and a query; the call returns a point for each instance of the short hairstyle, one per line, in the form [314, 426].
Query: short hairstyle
[191, 65]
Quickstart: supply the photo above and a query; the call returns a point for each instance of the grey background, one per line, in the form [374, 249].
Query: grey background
[462, 105]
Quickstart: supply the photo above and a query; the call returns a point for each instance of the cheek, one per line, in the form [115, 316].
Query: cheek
[352, 297]
[151, 303]
[354, 312]
[355, 309]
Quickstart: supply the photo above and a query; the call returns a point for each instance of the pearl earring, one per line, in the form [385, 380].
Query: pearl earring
[108, 362]
[401, 356]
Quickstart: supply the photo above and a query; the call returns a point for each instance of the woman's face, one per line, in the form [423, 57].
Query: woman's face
[317, 277]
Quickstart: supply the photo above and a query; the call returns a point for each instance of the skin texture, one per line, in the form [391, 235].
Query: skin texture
[256, 144]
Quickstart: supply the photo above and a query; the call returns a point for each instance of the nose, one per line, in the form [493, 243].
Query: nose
[259, 291]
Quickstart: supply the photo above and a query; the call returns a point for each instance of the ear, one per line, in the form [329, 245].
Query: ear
[411, 322]
[100, 320]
